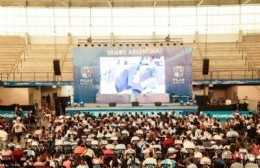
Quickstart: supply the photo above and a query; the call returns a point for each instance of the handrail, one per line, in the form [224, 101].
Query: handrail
[36, 76]
[231, 74]
[65, 56]
[243, 49]
[21, 59]
[199, 50]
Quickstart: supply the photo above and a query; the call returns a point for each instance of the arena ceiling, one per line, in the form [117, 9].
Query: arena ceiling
[122, 3]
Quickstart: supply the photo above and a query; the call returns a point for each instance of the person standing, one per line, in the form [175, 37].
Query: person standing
[48, 100]
[258, 107]
[18, 129]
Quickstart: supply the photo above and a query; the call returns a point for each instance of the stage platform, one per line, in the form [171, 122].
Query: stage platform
[96, 109]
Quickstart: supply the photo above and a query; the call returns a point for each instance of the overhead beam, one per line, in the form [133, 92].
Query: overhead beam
[201, 1]
[63, 3]
[245, 2]
[109, 3]
[117, 3]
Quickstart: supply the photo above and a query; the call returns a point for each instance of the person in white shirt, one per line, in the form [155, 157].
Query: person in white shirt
[3, 135]
[38, 132]
[18, 129]
[139, 132]
[228, 102]
[205, 159]
[125, 133]
[226, 154]
[217, 146]
[197, 153]
[232, 133]
[135, 139]
[188, 144]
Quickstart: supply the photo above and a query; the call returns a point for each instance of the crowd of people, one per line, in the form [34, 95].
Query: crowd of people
[133, 140]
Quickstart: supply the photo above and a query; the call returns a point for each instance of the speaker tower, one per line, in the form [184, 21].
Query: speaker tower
[56, 67]
[135, 103]
[158, 103]
[112, 104]
[205, 68]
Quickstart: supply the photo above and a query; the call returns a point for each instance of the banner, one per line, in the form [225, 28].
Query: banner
[227, 82]
[43, 83]
[131, 70]
[223, 115]
[10, 115]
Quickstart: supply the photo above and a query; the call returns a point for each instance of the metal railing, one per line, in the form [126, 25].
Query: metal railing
[242, 49]
[227, 74]
[68, 76]
[36, 76]
[198, 46]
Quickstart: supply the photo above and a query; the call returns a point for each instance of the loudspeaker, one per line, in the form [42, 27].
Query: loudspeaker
[205, 68]
[135, 103]
[158, 103]
[112, 104]
[56, 67]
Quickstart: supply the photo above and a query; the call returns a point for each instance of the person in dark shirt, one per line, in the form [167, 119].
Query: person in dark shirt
[48, 99]
[258, 107]
[251, 131]
[186, 161]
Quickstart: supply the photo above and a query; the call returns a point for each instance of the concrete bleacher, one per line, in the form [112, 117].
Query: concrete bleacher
[253, 53]
[226, 61]
[251, 45]
[37, 64]
[12, 49]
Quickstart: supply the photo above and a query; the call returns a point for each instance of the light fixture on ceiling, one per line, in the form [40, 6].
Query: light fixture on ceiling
[167, 38]
[89, 39]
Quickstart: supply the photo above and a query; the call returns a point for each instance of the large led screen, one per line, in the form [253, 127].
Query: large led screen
[132, 75]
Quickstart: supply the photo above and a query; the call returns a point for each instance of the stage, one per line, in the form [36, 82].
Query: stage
[96, 109]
